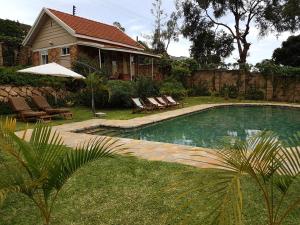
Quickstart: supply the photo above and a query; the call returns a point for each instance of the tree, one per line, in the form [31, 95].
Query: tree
[39, 168]
[289, 53]
[266, 15]
[118, 25]
[165, 29]
[273, 165]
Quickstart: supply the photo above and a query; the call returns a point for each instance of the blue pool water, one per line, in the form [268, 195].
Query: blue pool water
[209, 128]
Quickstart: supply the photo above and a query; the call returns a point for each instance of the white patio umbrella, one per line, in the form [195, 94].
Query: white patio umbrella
[52, 69]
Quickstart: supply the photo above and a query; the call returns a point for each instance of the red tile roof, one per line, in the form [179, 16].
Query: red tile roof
[83, 26]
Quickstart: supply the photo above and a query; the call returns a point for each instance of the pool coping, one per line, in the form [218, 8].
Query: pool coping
[81, 127]
[73, 134]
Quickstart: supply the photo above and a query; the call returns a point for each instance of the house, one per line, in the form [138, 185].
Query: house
[60, 37]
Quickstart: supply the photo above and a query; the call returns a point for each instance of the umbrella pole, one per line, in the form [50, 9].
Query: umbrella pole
[93, 96]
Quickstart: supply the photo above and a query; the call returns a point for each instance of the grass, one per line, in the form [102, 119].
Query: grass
[126, 190]
[81, 114]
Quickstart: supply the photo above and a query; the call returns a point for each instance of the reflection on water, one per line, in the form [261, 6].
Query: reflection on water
[209, 128]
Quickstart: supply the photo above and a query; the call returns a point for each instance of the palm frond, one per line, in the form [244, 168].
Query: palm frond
[48, 146]
[75, 159]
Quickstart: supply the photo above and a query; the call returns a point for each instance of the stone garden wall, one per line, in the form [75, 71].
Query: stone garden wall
[277, 88]
[28, 91]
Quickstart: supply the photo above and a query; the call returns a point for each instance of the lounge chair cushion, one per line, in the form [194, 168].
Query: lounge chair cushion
[19, 104]
[41, 102]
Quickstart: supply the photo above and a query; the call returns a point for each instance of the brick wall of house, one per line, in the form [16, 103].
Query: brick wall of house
[54, 55]
[35, 58]
[25, 56]
[73, 53]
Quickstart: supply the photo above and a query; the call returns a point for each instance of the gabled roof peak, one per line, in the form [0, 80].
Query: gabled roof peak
[81, 27]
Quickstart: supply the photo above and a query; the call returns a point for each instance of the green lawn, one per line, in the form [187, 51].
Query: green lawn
[126, 190]
[81, 114]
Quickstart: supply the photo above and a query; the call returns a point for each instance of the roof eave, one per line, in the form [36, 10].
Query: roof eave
[108, 41]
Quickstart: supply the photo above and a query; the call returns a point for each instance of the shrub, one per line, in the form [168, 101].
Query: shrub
[84, 98]
[174, 88]
[165, 65]
[229, 91]
[145, 87]
[254, 93]
[200, 89]
[120, 93]
[180, 73]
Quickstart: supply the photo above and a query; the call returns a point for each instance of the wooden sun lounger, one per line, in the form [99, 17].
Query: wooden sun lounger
[42, 103]
[139, 106]
[163, 102]
[172, 101]
[155, 103]
[24, 111]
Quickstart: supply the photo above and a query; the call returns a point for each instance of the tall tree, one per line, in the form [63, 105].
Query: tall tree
[208, 46]
[118, 25]
[160, 21]
[289, 53]
[266, 15]
[166, 27]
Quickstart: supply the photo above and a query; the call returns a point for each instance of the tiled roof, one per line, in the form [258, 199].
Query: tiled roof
[94, 29]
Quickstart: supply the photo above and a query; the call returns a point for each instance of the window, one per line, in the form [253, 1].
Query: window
[44, 57]
[65, 51]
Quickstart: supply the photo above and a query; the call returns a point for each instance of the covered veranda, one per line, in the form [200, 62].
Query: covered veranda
[122, 63]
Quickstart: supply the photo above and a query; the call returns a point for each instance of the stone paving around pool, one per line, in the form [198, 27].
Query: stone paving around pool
[194, 156]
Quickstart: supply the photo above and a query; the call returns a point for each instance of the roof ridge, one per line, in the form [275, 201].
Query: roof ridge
[94, 21]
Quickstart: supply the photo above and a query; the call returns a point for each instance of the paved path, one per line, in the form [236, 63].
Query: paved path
[149, 150]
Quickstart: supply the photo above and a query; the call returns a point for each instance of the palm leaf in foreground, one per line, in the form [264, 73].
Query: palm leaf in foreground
[273, 166]
[39, 168]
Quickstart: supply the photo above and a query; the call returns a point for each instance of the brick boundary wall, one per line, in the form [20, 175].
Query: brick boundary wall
[274, 88]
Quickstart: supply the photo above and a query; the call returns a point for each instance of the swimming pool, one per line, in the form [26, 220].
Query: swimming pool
[209, 128]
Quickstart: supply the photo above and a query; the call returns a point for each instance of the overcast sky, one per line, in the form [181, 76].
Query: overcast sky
[134, 15]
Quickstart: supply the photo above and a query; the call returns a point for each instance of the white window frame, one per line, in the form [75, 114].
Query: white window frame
[43, 54]
[62, 51]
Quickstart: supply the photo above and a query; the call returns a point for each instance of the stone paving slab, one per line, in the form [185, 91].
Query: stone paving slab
[194, 156]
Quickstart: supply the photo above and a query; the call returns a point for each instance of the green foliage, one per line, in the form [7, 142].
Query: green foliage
[229, 91]
[83, 97]
[12, 31]
[289, 53]
[12, 34]
[9, 75]
[41, 167]
[165, 65]
[180, 72]
[120, 93]
[200, 89]
[254, 93]
[214, 26]
[174, 88]
[146, 87]
[272, 165]
[269, 68]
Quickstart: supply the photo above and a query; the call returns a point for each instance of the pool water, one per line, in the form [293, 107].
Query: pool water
[209, 128]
